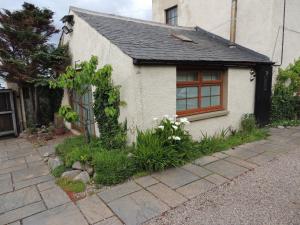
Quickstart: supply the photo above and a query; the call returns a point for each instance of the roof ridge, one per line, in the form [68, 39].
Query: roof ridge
[109, 15]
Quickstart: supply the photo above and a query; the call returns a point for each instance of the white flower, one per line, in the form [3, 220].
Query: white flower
[155, 119]
[161, 127]
[174, 127]
[176, 138]
[177, 123]
[184, 120]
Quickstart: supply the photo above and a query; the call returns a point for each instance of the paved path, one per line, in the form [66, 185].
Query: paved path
[29, 196]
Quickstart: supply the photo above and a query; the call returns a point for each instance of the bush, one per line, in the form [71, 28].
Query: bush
[248, 123]
[112, 167]
[58, 171]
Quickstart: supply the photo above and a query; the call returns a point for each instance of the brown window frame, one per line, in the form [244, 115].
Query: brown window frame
[201, 83]
[168, 19]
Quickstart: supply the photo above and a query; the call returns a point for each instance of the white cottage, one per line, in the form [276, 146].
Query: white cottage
[172, 70]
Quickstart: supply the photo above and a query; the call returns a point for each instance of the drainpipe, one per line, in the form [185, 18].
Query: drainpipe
[233, 21]
[283, 34]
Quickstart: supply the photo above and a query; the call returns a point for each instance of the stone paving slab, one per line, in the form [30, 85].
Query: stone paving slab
[46, 185]
[216, 179]
[205, 160]
[12, 163]
[30, 173]
[262, 158]
[242, 153]
[22, 212]
[167, 195]
[15, 223]
[54, 197]
[226, 169]
[197, 170]
[110, 221]
[94, 209]
[5, 183]
[29, 182]
[12, 169]
[138, 207]
[119, 191]
[146, 181]
[196, 188]
[18, 199]
[67, 214]
[242, 163]
[175, 177]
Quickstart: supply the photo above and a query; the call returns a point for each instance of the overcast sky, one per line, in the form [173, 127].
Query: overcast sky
[132, 8]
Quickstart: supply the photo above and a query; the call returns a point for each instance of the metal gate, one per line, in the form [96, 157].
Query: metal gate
[8, 124]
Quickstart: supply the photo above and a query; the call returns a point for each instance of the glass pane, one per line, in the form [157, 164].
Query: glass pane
[187, 76]
[181, 105]
[211, 75]
[181, 93]
[205, 91]
[215, 90]
[205, 102]
[192, 103]
[215, 101]
[192, 92]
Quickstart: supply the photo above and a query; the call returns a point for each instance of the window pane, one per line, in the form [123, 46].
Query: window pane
[187, 76]
[211, 75]
[215, 90]
[192, 92]
[181, 93]
[181, 105]
[205, 102]
[192, 103]
[215, 101]
[205, 91]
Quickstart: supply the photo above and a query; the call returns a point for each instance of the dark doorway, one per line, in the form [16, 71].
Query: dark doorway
[263, 94]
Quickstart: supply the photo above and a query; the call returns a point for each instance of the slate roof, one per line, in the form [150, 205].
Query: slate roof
[154, 43]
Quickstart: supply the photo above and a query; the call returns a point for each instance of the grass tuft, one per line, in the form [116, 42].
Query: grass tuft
[70, 185]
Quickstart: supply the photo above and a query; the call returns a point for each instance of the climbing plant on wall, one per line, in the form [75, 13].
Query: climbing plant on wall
[106, 97]
[285, 98]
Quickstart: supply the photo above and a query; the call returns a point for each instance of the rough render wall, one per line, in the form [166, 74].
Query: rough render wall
[85, 42]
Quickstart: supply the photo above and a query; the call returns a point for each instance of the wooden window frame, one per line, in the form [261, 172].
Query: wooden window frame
[170, 18]
[200, 83]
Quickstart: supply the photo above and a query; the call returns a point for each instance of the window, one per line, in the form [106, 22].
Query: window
[199, 91]
[171, 16]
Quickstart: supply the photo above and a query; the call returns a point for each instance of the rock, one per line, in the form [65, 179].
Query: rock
[83, 176]
[46, 159]
[77, 166]
[71, 174]
[46, 154]
[89, 169]
[54, 163]
[280, 127]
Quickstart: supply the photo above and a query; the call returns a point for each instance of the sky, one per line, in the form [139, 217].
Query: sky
[140, 9]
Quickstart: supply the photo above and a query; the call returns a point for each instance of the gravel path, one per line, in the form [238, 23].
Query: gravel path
[268, 195]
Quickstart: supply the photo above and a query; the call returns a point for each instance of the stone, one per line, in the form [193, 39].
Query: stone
[110, 221]
[46, 154]
[118, 191]
[54, 197]
[22, 212]
[205, 160]
[146, 181]
[46, 159]
[5, 183]
[89, 169]
[175, 177]
[226, 169]
[138, 207]
[67, 214]
[280, 127]
[196, 188]
[83, 176]
[53, 163]
[77, 166]
[167, 195]
[71, 174]
[220, 155]
[94, 209]
[17, 199]
[197, 170]
[216, 179]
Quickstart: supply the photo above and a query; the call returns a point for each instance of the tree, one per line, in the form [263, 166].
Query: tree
[26, 57]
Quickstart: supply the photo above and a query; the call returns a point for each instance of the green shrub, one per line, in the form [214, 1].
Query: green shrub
[70, 185]
[286, 123]
[248, 123]
[112, 167]
[58, 171]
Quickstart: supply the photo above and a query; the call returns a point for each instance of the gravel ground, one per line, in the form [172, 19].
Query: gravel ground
[267, 195]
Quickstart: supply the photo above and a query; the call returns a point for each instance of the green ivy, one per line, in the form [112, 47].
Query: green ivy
[284, 99]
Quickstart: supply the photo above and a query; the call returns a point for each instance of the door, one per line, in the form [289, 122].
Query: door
[263, 94]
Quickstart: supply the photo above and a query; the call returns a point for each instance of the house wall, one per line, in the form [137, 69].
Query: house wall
[258, 23]
[157, 92]
[85, 42]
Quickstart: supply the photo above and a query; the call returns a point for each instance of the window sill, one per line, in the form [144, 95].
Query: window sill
[209, 115]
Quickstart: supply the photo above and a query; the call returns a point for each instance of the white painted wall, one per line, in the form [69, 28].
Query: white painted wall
[258, 23]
